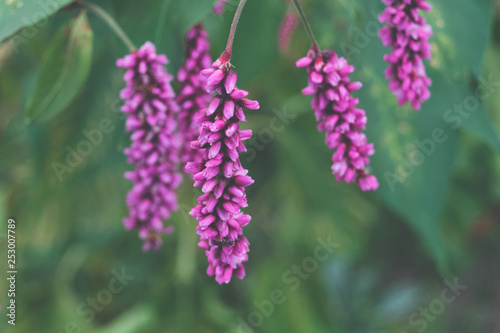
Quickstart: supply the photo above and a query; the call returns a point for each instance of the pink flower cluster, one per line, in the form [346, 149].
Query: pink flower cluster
[220, 175]
[150, 108]
[407, 34]
[192, 96]
[219, 7]
[338, 116]
[286, 30]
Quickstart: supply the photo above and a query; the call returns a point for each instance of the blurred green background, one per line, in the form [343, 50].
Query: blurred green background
[434, 221]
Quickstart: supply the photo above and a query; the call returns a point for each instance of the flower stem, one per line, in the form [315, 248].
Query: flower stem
[306, 24]
[111, 22]
[226, 55]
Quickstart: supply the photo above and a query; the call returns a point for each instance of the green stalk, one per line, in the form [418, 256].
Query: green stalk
[111, 22]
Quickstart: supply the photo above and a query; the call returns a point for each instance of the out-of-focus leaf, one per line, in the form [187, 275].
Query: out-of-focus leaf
[18, 14]
[458, 49]
[476, 119]
[65, 68]
[188, 12]
[67, 269]
[412, 167]
[412, 177]
[132, 321]
[461, 34]
[398, 301]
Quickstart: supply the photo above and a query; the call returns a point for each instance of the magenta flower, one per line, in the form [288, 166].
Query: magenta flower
[193, 96]
[408, 35]
[150, 107]
[286, 30]
[219, 7]
[220, 175]
[338, 116]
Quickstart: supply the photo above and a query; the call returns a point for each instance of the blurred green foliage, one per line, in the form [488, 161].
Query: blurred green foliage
[396, 249]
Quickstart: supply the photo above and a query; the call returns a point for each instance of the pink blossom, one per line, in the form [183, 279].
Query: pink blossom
[150, 107]
[193, 96]
[286, 30]
[408, 34]
[219, 7]
[338, 116]
[220, 174]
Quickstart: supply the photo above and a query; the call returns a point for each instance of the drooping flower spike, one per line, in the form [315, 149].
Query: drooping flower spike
[193, 95]
[336, 112]
[287, 28]
[150, 107]
[219, 7]
[408, 34]
[221, 175]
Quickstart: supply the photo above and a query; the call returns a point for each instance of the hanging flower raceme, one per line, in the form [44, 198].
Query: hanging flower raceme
[220, 174]
[150, 107]
[286, 30]
[219, 7]
[407, 34]
[338, 116]
[192, 96]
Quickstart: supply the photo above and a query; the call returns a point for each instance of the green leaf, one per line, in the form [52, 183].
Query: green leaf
[65, 67]
[461, 34]
[17, 14]
[414, 159]
[458, 49]
[133, 320]
[468, 112]
[416, 192]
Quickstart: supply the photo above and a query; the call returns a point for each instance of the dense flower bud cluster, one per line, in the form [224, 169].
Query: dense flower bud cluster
[408, 35]
[221, 176]
[338, 116]
[192, 93]
[286, 30]
[150, 108]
